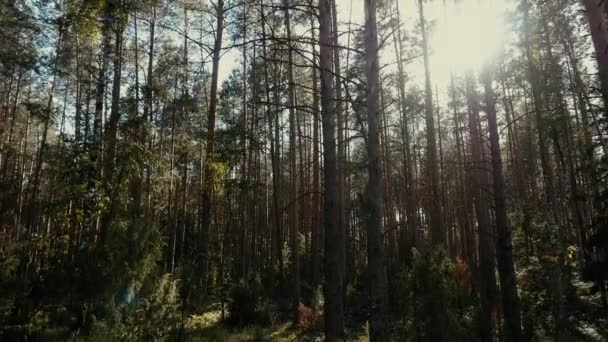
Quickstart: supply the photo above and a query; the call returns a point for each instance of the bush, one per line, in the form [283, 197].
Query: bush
[242, 309]
[154, 316]
[268, 313]
[439, 306]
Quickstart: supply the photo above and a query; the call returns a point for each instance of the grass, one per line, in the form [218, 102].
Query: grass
[207, 327]
[204, 327]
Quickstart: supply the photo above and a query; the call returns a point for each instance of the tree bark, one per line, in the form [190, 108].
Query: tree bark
[504, 248]
[599, 35]
[408, 238]
[206, 206]
[293, 212]
[378, 325]
[437, 233]
[334, 316]
[341, 142]
[115, 7]
[480, 182]
[316, 228]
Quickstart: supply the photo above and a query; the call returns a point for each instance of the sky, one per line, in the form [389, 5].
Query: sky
[465, 34]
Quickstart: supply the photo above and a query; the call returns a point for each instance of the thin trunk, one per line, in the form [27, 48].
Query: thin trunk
[275, 248]
[480, 182]
[245, 159]
[293, 185]
[463, 217]
[409, 238]
[504, 248]
[34, 191]
[316, 210]
[437, 233]
[341, 142]
[136, 181]
[111, 129]
[208, 183]
[147, 110]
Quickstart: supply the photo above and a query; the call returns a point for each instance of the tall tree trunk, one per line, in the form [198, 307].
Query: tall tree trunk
[316, 228]
[95, 146]
[135, 185]
[115, 7]
[341, 142]
[334, 316]
[480, 182]
[437, 233]
[293, 212]
[409, 237]
[552, 216]
[504, 247]
[37, 175]
[463, 217]
[599, 36]
[521, 178]
[378, 326]
[208, 183]
[147, 110]
[245, 161]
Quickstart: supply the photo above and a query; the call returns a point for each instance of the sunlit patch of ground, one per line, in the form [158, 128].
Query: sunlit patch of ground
[208, 327]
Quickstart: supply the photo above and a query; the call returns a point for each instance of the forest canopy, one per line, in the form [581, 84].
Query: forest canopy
[238, 170]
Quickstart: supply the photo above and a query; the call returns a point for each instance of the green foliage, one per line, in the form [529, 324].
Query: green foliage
[317, 300]
[9, 262]
[539, 272]
[434, 304]
[245, 303]
[596, 250]
[153, 316]
[357, 298]
[129, 256]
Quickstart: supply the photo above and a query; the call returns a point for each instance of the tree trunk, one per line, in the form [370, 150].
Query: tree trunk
[480, 182]
[293, 212]
[334, 316]
[341, 142]
[111, 129]
[316, 228]
[504, 248]
[147, 110]
[437, 233]
[552, 216]
[378, 325]
[408, 238]
[599, 35]
[206, 206]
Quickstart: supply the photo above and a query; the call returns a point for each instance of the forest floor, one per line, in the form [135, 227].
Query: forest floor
[208, 327]
[198, 327]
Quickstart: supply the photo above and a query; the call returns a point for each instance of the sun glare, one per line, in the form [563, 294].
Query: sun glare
[466, 35]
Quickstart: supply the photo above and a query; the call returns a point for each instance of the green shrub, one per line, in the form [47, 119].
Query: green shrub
[431, 301]
[154, 314]
[242, 309]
